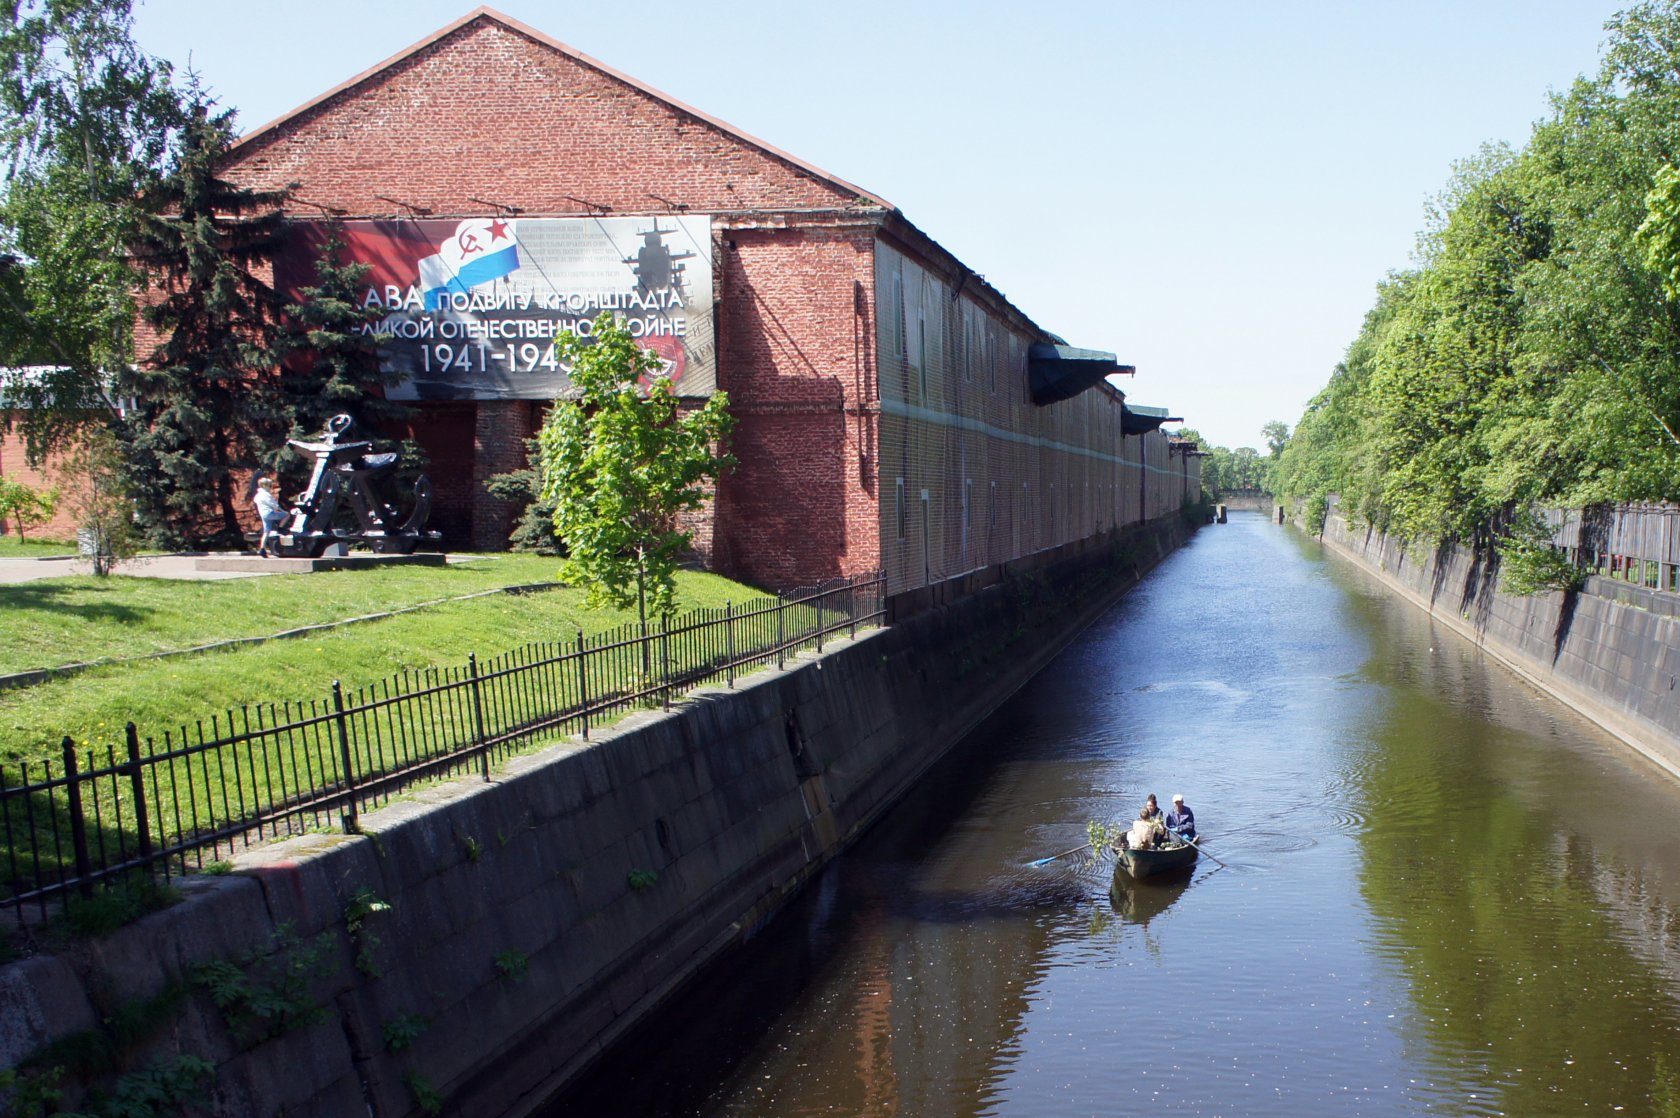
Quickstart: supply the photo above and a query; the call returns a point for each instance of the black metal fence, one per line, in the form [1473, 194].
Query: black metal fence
[201, 792]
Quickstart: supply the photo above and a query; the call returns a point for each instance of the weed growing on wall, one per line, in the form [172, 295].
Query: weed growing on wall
[266, 993]
[363, 904]
[159, 1090]
[425, 1095]
[512, 965]
[404, 1030]
[99, 1055]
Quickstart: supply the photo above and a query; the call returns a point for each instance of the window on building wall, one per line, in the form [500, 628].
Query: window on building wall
[921, 353]
[991, 509]
[991, 357]
[900, 343]
[915, 355]
[902, 512]
[968, 493]
[928, 325]
[970, 350]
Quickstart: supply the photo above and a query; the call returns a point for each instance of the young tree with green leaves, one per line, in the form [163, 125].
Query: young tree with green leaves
[208, 401]
[86, 119]
[99, 501]
[621, 461]
[25, 506]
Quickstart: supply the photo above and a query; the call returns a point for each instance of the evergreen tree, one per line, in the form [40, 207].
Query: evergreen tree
[337, 369]
[208, 399]
[534, 530]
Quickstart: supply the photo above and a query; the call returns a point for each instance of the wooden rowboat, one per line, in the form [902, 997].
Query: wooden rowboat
[1153, 863]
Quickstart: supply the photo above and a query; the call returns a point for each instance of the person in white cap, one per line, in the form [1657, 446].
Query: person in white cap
[1181, 818]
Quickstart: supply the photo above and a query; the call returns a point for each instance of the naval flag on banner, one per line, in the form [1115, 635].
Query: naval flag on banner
[480, 250]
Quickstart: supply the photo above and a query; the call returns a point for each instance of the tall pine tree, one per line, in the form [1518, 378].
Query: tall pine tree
[208, 401]
[336, 368]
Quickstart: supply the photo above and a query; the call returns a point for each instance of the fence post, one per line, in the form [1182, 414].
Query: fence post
[349, 820]
[665, 656]
[478, 716]
[822, 596]
[78, 825]
[141, 816]
[583, 686]
[852, 607]
[781, 630]
[729, 640]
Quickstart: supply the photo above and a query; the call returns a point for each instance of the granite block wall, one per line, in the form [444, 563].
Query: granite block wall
[1612, 651]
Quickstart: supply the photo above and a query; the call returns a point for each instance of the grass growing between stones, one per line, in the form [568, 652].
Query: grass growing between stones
[93, 706]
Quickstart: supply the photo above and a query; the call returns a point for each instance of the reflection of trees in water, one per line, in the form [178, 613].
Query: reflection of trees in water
[1650, 920]
[1525, 982]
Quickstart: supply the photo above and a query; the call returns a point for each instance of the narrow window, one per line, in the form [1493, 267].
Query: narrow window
[991, 357]
[968, 490]
[970, 349]
[902, 509]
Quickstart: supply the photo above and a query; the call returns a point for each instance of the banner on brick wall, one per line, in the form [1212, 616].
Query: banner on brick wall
[472, 308]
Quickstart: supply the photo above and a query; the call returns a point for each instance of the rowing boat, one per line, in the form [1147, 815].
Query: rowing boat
[1156, 861]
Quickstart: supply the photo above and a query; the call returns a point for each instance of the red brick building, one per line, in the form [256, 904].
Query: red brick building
[894, 411]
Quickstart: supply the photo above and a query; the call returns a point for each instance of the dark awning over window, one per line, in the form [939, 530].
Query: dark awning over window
[1061, 372]
[1139, 420]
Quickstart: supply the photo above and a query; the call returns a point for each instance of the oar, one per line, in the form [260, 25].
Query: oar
[1063, 854]
[1192, 842]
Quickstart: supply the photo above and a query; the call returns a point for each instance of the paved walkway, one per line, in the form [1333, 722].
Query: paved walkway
[147, 566]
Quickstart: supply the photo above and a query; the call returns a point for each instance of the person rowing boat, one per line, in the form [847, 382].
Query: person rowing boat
[1181, 820]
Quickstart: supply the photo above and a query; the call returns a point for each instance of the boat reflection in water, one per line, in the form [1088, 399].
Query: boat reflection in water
[1138, 901]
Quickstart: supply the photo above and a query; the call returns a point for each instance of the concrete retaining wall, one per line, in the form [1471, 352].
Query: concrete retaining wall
[1611, 651]
[533, 919]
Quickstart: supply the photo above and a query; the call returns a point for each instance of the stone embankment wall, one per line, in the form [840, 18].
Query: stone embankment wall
[1611, 651]
[481, 942]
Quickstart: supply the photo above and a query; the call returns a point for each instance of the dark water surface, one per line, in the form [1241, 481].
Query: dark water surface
[1445, 893]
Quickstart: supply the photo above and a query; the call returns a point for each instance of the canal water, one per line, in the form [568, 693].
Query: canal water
[1442, 892]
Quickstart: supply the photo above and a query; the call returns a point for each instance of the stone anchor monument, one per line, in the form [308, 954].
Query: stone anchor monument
[345, 469]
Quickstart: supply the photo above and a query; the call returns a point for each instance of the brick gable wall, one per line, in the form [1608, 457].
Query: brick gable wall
[487, 112]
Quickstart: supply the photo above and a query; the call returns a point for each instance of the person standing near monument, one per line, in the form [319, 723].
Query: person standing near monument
[270, 511]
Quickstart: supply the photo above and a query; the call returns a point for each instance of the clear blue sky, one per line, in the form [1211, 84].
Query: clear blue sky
[1212, 190]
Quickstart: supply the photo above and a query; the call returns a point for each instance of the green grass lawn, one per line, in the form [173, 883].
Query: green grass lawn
[54, 621]
[65, 620]
[13, 548]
